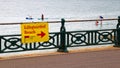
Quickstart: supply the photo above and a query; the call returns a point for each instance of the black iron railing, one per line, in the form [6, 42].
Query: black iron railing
[12, 43]
[63, 39]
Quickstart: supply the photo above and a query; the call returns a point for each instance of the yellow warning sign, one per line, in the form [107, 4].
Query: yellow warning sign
[34, 32]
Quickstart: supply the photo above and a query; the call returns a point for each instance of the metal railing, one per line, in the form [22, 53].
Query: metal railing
[63, 39]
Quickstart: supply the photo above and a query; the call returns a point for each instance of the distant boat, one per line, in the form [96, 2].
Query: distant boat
[29, 18]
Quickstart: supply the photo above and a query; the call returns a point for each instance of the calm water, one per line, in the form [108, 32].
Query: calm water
[18, 10]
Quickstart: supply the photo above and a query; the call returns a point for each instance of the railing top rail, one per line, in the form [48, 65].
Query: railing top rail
[91, 20]
[60, 21]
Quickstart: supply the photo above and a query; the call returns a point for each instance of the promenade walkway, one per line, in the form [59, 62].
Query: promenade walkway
[100, 58]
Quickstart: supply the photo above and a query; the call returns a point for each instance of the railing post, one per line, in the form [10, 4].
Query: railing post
[117, 44]
[63, 47]
[0, 45]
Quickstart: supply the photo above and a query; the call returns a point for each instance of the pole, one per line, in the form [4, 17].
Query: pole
[117, 44]
[62, 47]
[0, 45]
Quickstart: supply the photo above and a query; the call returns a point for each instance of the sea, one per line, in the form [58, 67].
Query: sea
[16, 11]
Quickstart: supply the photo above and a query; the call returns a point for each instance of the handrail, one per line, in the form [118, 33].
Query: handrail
[91, 20]
[60, 21]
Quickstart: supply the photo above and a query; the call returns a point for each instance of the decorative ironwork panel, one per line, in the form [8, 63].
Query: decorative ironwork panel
[12, 43]
[76, 38]
[93, 37]
[106, 36]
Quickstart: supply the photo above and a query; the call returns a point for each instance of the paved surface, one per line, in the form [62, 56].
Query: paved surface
[98, 59]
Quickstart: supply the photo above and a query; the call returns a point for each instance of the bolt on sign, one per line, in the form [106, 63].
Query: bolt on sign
[34, 32]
